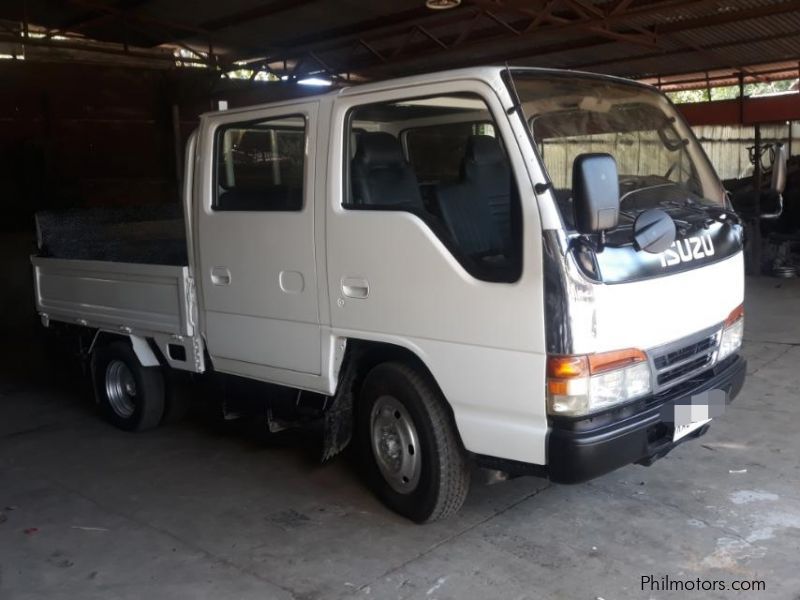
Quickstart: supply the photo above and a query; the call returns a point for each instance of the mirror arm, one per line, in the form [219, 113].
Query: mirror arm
[588, 240]
[541, 188]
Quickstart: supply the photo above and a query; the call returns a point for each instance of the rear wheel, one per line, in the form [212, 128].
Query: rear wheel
[413, 458]
[129, 395]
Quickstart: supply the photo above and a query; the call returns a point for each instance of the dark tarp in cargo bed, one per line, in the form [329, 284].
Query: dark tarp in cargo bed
[143, 234]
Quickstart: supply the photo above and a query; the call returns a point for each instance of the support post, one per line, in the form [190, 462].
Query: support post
[178, 145]
[755, 222]
[741, 98]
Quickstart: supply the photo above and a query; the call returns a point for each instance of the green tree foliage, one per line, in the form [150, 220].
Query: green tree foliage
[729, 92]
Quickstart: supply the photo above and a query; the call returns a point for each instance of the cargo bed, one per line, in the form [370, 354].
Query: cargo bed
[146, 300]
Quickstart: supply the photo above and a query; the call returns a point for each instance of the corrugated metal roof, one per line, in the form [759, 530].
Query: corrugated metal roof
[637, 39]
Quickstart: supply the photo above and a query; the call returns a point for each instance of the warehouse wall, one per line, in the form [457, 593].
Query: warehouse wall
[726, 145]
[73, 136]
[86, 135]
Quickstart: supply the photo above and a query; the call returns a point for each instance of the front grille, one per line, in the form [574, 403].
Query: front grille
[680, 360]
[684, 369]
[675, 356]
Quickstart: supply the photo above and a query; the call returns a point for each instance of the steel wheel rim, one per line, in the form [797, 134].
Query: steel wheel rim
[395, 444]
[121, 388]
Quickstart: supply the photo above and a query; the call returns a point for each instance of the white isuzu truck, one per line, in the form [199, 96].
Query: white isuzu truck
[535, 271]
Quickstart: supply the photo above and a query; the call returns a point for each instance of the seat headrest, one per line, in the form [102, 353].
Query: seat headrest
[378, 149]
[484, 150]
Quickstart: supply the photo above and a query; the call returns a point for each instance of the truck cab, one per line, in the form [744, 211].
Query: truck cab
[530, 270]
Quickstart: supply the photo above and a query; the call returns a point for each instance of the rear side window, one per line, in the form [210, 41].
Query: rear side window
[260, 165]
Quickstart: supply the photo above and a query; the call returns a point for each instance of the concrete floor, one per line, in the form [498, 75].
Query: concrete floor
[187, 511]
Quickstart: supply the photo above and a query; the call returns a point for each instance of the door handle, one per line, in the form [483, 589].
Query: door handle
[354, 287]
[220, 276]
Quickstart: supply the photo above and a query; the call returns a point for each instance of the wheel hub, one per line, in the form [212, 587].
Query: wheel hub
[120, 387]
[395, 444]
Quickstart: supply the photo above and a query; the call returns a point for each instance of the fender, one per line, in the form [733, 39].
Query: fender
[140, 346]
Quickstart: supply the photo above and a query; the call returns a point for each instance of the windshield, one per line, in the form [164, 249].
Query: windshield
[660, 163]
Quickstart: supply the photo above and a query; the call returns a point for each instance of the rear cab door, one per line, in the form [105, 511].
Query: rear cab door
[255, 247]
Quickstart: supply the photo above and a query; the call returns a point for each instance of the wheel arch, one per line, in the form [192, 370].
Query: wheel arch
[360, 357]
[363, 355]
[141, 346]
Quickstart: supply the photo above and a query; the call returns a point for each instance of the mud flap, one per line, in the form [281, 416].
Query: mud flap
[338, 419]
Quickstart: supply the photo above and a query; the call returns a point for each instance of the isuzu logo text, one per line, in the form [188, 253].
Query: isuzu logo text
[687, 249]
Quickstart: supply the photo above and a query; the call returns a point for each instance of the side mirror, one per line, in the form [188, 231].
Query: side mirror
[595, 192]
[778, 182]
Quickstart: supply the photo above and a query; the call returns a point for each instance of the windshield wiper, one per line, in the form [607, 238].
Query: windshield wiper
[711, 213]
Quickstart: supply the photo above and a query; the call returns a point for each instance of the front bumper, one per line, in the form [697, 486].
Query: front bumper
[580, 449]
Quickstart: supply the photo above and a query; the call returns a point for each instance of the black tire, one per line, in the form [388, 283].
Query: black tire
[143, 402]
[442, 475]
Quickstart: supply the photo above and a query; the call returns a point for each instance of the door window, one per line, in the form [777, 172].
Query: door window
[441, 159]
[260, 165]
[436, 151]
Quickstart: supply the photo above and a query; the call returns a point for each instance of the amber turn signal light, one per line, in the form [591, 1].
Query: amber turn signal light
[736, 314]
[571, 367]
[567, 367]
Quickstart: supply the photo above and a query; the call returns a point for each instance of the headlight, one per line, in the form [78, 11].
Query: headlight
[578, 385]
[732, 334]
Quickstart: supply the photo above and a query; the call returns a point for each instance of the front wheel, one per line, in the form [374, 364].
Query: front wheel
[129, 395]
[413, 458]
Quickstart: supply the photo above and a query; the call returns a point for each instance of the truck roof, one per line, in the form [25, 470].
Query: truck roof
[484, 73]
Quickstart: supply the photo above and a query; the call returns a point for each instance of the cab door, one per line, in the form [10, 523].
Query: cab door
[255, 243]
[454, 275]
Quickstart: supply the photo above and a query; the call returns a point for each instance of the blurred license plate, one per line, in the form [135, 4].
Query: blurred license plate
[684, 430]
